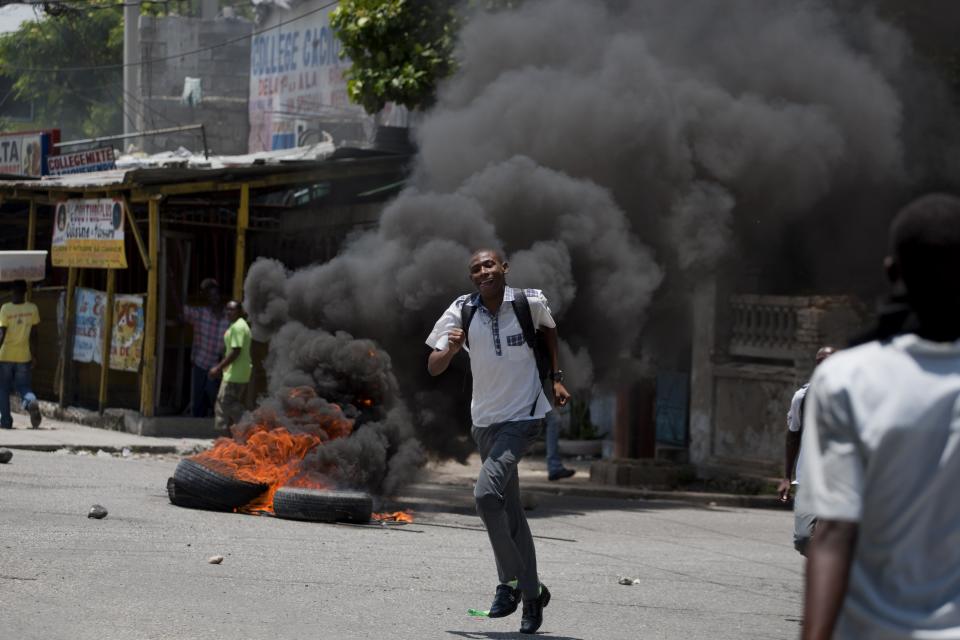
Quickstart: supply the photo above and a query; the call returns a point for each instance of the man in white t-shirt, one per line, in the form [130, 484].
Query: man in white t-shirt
[507, 408]
[881, 461]
[803, 523]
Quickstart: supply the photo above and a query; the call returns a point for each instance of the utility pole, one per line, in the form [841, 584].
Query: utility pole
[131, 69]
[209, 9]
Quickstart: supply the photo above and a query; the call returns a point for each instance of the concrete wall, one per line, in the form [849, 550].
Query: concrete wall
[224, 73]
[750, 353]
[750, 410]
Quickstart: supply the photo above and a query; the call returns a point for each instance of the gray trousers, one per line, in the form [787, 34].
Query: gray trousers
[803, 526]
[497, 494]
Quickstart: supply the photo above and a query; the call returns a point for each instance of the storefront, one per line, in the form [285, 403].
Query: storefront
[128, 246]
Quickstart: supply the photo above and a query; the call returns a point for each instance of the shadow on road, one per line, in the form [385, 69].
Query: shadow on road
[505, 635]
[459, 500]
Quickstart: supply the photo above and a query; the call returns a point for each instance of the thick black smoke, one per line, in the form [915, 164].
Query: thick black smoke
[605, 146]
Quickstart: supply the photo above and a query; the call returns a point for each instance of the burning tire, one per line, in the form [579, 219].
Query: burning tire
[315, 505]
[204, 488]
[182, 498]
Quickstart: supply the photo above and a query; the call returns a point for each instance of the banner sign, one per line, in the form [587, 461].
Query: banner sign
[88, 233]
[296, 75]
[126, 340]
[26, 154]
[82, 161]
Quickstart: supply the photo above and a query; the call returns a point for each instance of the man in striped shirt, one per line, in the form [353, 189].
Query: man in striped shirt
[209, 324]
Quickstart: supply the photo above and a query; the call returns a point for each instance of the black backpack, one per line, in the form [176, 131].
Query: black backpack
[536, 340]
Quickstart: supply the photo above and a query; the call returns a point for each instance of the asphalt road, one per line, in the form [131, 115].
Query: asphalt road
[142, 573]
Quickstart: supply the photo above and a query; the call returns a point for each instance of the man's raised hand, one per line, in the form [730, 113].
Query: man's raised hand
[455, 338]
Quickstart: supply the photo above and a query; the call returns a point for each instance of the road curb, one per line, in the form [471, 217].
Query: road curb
[638, 493]
[135, 448]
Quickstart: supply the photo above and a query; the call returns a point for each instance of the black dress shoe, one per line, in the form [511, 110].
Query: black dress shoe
[505, 601]
[533, 611]
[560, 475]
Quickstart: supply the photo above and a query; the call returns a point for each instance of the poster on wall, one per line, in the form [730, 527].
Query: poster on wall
[26, 153]
[88, 233]
[89, 318]
[126, 343]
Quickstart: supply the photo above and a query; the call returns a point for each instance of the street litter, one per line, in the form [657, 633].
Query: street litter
[215, 559]
[479, 613]
[5, 456]
[97, 511]
[624, 580]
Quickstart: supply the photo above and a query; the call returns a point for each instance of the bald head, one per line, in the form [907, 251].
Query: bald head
[823, 353]
[925, 243]
[495, 253]
[233, 310]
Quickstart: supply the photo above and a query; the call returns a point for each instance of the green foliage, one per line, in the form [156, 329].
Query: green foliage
[400, 49]
[80, 103]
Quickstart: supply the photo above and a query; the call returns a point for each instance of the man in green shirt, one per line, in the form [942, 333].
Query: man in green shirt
[235, 369]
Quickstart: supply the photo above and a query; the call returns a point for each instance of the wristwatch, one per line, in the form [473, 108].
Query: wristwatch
[557, 376]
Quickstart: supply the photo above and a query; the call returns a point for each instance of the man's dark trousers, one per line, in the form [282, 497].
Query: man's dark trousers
[497, 493]
[204, 392]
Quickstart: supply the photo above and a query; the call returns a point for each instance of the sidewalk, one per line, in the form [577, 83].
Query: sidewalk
[533, 478]
[55, 434]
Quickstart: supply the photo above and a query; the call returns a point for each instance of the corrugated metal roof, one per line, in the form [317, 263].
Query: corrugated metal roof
[115, 179]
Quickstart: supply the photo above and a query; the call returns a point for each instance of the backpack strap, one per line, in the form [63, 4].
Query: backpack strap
[467, 311]
[521, 307]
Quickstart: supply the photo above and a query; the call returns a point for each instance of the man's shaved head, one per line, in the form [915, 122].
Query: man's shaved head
[495, 252]
[823, 353]
[925, 242]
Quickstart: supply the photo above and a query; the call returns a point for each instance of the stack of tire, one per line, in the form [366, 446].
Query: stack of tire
[197, 486]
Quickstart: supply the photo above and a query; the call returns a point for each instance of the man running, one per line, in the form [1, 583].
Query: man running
[507, 408]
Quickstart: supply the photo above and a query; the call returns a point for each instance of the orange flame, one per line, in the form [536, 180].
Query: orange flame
[396, 516]
[269, 454]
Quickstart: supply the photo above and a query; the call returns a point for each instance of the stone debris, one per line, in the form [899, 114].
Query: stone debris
[624, 580]
[103, 454]
[126, 452]
[215, 559]
[97, 511]
[5, 456]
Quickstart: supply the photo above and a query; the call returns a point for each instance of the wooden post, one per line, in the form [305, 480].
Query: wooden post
[107, 337]
[149, 377]
[243, 221]
[31, 239]
[132, 225]
[66, 349]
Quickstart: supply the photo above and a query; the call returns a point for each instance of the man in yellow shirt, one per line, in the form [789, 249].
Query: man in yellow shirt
[17, 346]
[236, 368]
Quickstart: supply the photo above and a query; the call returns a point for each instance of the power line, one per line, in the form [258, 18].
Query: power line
[6, 68]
